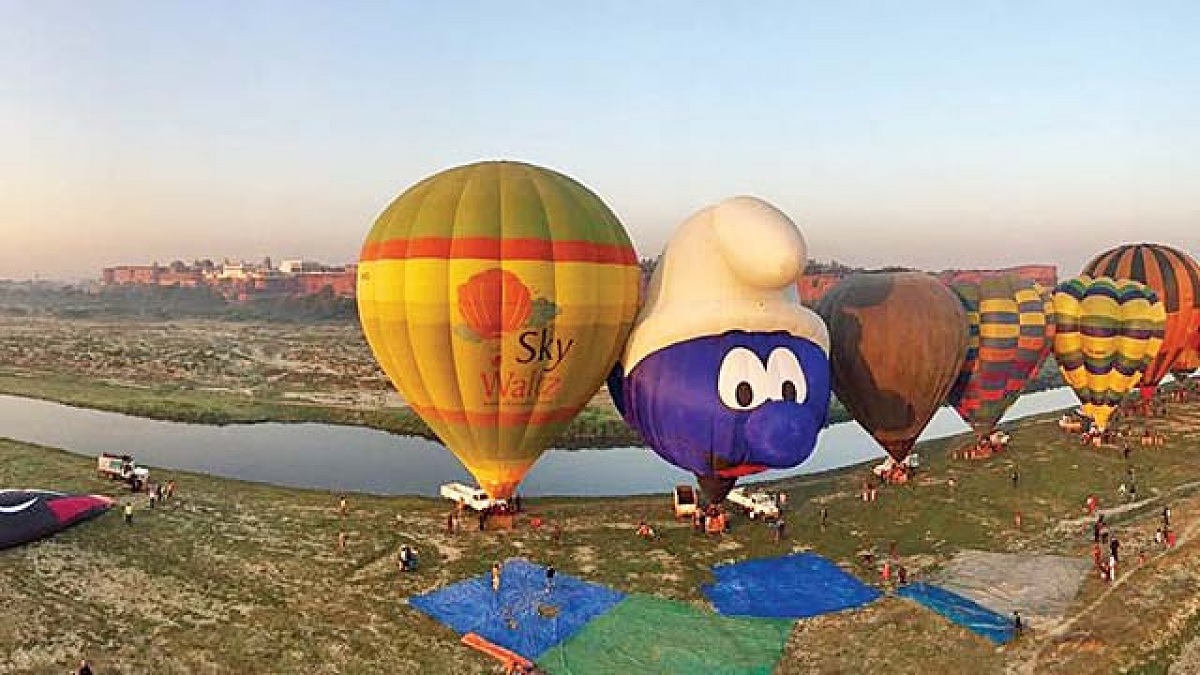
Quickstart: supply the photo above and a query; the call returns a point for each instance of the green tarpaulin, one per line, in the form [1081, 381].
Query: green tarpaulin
[644, 634]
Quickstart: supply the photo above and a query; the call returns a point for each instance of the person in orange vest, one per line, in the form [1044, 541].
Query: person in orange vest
[886, 572]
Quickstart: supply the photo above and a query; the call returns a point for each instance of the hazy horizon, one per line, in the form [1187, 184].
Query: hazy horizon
[924, 134]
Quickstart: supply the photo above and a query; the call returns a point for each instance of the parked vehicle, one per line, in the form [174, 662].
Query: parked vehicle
[685, 501]
[472, 497]
[911, 463]
[121, 467]
[754, 504]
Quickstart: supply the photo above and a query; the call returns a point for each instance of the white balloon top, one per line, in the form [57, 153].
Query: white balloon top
[731, 266]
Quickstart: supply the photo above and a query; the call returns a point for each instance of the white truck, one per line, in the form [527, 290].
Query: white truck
[472, 497]
[911, 462]
[121, 467]
[685, 501]
[755, 504]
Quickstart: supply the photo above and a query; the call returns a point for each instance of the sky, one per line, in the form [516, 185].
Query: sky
[930, 134]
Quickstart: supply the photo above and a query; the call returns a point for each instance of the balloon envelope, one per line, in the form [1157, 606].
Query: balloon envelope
[28, 515]
[1011, 329]
[898, 342]
[1107, 333]
[725, 373]
[1175, 278]
[496, 296]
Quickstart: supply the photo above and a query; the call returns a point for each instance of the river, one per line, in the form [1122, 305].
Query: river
[357, 459]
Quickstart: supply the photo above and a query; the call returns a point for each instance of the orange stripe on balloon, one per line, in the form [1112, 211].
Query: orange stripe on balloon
[496, 418]
[494, 248]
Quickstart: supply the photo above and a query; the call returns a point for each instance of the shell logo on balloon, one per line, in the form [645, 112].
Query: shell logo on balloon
[495, 302]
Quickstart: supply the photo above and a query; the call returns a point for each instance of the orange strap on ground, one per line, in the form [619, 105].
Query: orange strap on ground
[505, 656]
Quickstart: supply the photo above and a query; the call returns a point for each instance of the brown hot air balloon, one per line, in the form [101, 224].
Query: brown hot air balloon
[897, 344]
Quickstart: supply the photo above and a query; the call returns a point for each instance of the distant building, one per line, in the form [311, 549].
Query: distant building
[813, 286]
[240, 281]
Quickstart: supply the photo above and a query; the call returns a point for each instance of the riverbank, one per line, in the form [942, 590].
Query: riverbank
[596, 426]
[243, 577]
[209, 371]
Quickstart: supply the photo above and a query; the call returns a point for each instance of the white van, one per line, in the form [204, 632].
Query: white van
[472, 497]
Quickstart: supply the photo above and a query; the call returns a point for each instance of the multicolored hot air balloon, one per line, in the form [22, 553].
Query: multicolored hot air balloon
[1175, 279]
[496, 296]
[725, 373]
[1011, 330]
[1108, 332]
[898, 343]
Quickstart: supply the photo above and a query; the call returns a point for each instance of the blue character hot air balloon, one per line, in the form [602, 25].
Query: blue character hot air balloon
[725, 374]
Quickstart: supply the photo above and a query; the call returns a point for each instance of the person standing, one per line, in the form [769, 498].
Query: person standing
[550, 571]
[1016, 476]
[128, 513]
[85, 668]
[496, 578]
[824, 517]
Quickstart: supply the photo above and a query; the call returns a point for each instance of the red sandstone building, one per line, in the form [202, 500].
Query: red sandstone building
[813, 286]
[238, 280]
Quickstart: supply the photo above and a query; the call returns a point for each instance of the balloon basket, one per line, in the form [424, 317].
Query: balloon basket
[501, 521]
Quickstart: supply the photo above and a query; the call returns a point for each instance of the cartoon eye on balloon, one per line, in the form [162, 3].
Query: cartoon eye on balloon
[745, 382]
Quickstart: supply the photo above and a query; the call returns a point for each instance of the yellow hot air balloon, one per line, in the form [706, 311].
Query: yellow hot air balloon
[497, 296]
[1108, 331]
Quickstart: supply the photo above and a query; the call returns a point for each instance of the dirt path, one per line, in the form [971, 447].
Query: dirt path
[1030, 665]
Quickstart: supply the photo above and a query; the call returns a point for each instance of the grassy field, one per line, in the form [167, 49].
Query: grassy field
[235, 577]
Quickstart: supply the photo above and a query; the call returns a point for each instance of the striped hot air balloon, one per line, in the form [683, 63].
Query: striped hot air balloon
[497, 296]
[1011, 324]
[1108, 331]
[1175, 277]
[1188, 361]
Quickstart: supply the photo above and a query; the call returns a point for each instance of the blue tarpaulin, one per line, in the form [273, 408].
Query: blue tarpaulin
[524, 616]
[790, 587]
[962, 611]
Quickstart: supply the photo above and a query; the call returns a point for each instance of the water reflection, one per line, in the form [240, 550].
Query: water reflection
[366, 460]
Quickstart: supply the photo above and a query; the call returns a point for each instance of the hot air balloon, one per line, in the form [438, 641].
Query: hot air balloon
[898, 343]
[1187, 362]
[496, 296]
[28, 515]
[1011, 329]
[1175, 279]
[725, 373]
[1108, 332]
